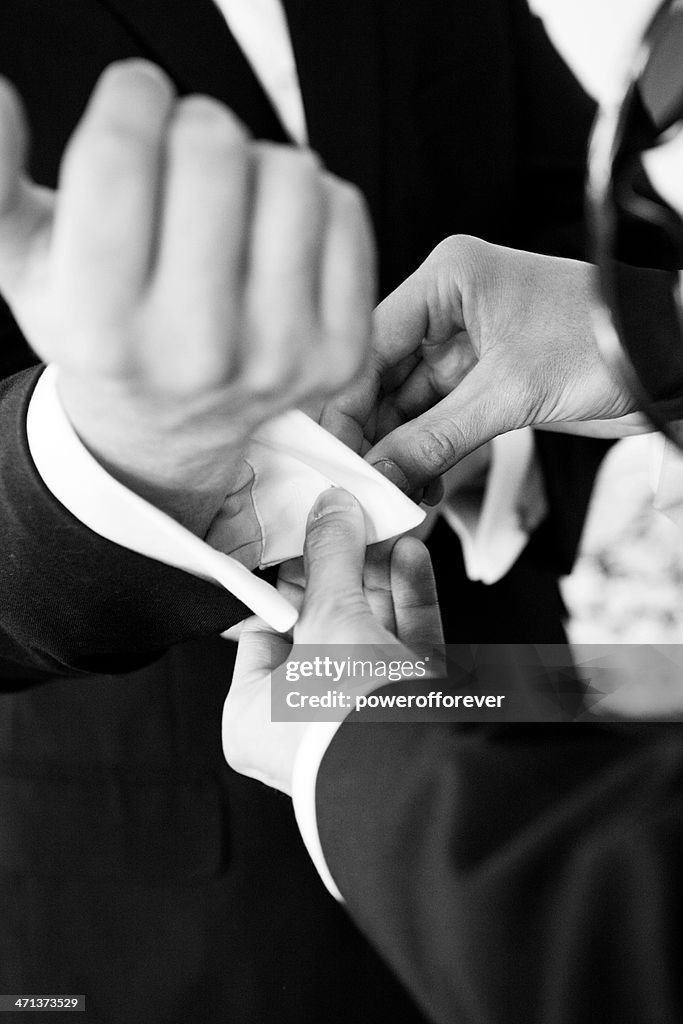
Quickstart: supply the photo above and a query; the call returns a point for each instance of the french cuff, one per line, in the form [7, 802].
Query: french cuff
[494, 522]
[294, 460]
[667, 479]
[312, 749]
[105, 506]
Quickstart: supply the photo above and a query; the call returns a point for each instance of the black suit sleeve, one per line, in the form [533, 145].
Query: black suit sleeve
[525, 874]
[71, 601]
[556, 116]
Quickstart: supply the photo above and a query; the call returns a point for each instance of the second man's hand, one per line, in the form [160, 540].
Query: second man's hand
[480, 340]
[188, 283]
[383, 597]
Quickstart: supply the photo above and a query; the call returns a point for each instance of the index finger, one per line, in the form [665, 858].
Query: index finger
[401, 321]
[399, 327]
[426, 447]
[426, 307]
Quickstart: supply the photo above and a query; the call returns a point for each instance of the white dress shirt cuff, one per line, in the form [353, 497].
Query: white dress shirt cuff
[293, 459]
[106, 507]
[317, 739]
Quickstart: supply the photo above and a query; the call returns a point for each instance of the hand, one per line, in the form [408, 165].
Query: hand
[188, 283]
[478, 341]
[388, 598]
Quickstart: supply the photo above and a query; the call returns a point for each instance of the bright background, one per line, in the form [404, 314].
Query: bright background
[595, 37]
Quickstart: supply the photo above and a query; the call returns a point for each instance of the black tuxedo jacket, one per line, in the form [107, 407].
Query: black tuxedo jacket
[134, 866]
[514, 874]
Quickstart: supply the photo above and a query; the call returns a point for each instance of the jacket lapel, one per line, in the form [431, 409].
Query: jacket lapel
[192, 42]
[336, 50]
[335, 44]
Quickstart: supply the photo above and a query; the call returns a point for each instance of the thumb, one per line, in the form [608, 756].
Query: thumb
[22, 205]
[259, 651]
[334, 557]
[426, 447]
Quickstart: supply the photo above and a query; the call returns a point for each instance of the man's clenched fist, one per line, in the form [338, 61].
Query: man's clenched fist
[188, 282]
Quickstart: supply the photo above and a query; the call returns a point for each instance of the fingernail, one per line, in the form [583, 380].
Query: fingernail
[389, 469]
[336, 499]
[434, 493]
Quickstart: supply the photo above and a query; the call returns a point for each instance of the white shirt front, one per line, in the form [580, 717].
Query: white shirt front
[260, 27]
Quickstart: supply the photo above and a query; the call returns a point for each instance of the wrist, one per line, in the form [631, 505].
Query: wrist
[180, 458]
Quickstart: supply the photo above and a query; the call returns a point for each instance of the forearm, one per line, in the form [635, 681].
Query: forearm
[184, 464]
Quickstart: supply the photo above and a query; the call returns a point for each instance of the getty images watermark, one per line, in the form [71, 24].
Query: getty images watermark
[466, 683]
[355, 683]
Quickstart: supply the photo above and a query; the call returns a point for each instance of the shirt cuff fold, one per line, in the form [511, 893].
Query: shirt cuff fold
[293, 460]
[109, 509]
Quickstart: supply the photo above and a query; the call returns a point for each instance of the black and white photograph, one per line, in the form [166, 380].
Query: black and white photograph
[341, 511]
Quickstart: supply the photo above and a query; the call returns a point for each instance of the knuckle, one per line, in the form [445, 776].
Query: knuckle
[345, 193]
[209, 123]
[264, 383]
[348, 204]
[118, 141]
[288, 160]
[135, 72]
[271, 373]
[135, 91]
[125, 119]
[306, 159]
[438, 449]
[332, 532]
[114, 147]
[456, 244]
[176, 368]
[334, 618]
[204, 372]
[287, 375]
[456, 251]
[445, 252]
[347, 363]
[174, 379]
[282, 336]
